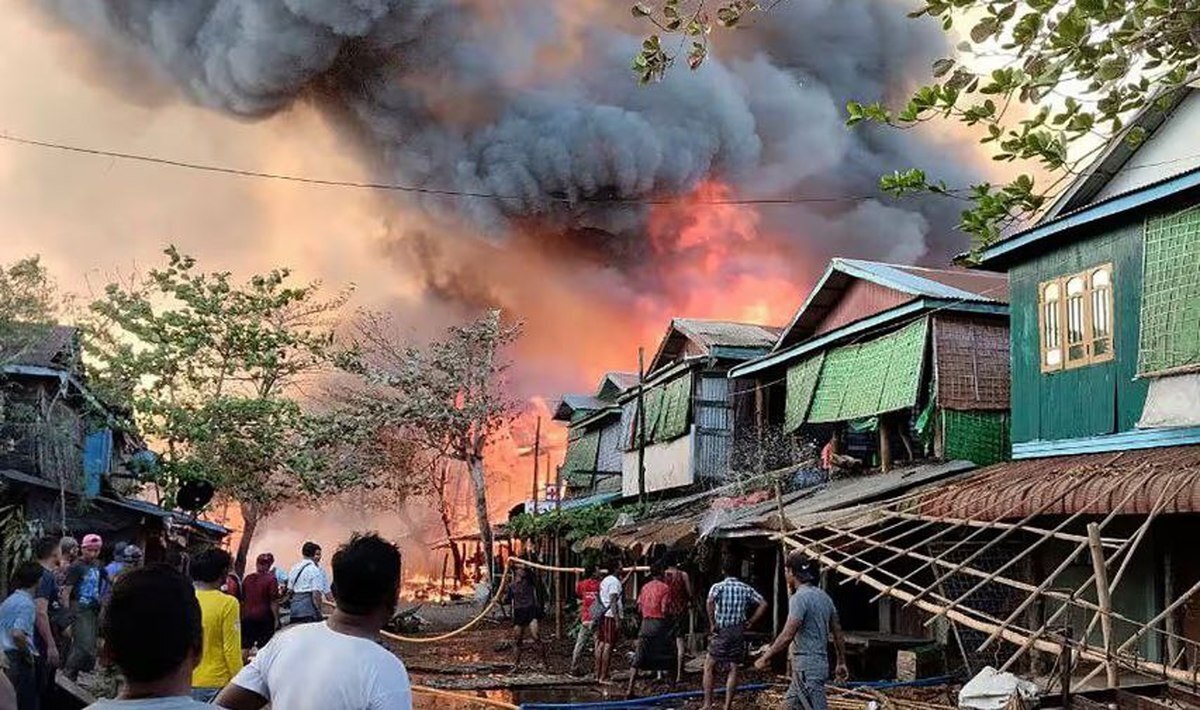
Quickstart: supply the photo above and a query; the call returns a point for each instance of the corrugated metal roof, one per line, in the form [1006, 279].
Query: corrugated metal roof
[571, 403]
[953, 283]
[621, 380]
[748, 339]
[727, 333]
[1093, 483]
[40, 345]
[800, 507]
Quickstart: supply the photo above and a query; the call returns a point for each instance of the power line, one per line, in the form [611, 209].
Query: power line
[414, 189]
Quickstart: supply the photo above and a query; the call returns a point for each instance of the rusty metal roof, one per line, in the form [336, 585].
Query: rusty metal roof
[709, 335]
[1129, 482]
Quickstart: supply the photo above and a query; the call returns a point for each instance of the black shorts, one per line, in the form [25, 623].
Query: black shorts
[257, 632]
[525, 616]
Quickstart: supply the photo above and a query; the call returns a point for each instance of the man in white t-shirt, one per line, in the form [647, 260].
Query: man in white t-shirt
[338, 664]
[309, 586]
[608, 632]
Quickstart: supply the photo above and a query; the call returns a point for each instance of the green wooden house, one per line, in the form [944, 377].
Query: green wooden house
[892, 362]
[592, 463]
[1105, 324]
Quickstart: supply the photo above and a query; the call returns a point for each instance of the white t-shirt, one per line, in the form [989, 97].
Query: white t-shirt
[172, 703]
[307, 576]
[312, 667]
[609, 586]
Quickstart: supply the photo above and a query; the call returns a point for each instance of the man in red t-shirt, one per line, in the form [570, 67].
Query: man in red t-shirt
[260, 603]
[655, 649]
[588, 590]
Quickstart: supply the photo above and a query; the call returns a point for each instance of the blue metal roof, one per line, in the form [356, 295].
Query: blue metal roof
[546, 506]
[1005, 251]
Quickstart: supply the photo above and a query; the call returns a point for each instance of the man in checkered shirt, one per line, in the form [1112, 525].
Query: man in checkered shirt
[733, 606]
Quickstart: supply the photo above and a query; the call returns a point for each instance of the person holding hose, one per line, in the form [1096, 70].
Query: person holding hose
[812, 618]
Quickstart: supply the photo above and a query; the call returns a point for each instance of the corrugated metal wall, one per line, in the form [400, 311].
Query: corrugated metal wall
[713, 408]
[1095, 399]
[861, 299]
[609, 459]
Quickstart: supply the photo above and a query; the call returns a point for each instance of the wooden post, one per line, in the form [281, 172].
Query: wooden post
[641, 419]
[558, 610]
[1172, 620]
[537, 457]
[775, 593]
[1064, 663]
[445, 563]
[1104, 600]
[885, 446]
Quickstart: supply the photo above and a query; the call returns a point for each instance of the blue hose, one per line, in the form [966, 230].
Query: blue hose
[638, 702]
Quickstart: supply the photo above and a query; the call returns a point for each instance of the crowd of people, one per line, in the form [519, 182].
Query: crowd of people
[214, 639]
[664, 604]
[215, 635]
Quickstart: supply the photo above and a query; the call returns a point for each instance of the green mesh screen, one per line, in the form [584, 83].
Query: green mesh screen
[801, 382]
[980, 437]
[581, 454]
[1170, 335]
[676, 405]
[653, 401]
[882, 375]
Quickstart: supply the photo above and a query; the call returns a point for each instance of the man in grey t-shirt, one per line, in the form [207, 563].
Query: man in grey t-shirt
[812, 617]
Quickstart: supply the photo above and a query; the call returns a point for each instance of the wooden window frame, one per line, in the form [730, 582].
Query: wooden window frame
[1087, 315]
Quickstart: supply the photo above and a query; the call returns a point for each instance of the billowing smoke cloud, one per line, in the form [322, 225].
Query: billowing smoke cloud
[533, 100]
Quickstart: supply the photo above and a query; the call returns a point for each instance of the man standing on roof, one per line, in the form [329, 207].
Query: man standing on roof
[812, 617]
[730, 603]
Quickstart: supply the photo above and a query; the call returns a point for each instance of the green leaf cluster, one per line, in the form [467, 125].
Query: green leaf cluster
[573, 524]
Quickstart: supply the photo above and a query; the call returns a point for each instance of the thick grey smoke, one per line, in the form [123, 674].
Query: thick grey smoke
[533, 100]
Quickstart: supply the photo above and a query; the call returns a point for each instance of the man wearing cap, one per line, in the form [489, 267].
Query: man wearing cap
[812, 617]
[86, 584]
[260, 603]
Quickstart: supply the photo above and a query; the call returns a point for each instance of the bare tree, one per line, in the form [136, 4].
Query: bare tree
[448, 396]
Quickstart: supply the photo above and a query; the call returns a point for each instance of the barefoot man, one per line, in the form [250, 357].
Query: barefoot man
[729, 604]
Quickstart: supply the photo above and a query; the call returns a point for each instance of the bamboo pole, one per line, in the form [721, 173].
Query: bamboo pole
[1105, 601]
[641, 425]
[537, 457]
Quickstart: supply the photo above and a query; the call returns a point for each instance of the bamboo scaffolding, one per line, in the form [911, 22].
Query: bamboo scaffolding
[1128, 548]
[987, 526]
[1006, 533]
[1038, 543]
[1066, 560]
[1010, 634]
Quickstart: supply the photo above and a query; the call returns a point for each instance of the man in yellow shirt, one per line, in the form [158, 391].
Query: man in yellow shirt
[220, 616]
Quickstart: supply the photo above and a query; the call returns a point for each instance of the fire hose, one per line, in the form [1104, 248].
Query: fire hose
[491, 604]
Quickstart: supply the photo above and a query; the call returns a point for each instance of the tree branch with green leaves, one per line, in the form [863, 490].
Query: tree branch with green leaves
[1071, 76]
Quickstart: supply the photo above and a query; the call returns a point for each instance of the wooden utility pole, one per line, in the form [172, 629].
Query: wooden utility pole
[885, 446]
[537, 457]
[1103, 600]
[641, 425]
[558, 597]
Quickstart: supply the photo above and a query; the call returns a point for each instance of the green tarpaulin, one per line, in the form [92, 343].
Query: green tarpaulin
[801, 382]
[581, 454]
[1170, 317]
[980, 437]
[871, 378]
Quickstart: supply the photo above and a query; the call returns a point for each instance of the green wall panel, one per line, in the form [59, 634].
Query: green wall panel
[981, 437]
[882, 375]
[1170, 311]
[1095, 399]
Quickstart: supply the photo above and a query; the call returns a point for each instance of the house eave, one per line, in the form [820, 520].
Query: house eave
[1122, 441]
[1004, 253]
[879, 320]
